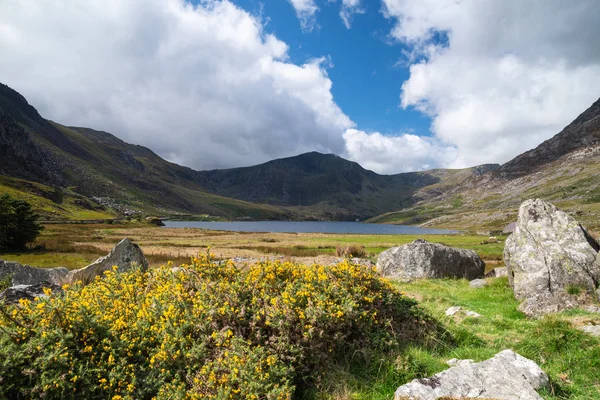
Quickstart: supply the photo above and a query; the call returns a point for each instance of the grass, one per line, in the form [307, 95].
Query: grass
[74, 245]
[570, 357]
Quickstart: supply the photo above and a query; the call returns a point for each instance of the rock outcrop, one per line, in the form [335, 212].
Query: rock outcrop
[29, 292]
[548, 255]
[421, 259]
[27, 275]
[28, 281]
[124, 255]
[506, 376]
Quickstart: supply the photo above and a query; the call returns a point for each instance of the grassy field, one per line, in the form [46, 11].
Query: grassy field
[570, 357]
[74, 245]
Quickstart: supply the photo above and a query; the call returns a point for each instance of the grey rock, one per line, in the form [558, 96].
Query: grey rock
[506, 376]
[472, 314]
[26, 275]
[452, 310]
[29, 292]
[421, 259]
[592, 309]
[593, 330]
[497, 272]
[478, 283]
[457, 309]
[125, 255]
[548, 252]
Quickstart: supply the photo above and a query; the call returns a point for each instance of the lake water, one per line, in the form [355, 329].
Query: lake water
[308, 227]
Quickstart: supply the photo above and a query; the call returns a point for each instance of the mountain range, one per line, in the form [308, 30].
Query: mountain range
[81, 173]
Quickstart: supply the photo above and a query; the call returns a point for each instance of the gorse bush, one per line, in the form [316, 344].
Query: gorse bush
[206, 330]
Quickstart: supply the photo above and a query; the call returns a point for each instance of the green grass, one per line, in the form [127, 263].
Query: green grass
[570, 357]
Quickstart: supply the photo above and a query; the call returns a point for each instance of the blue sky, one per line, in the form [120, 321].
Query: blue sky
[368, 67]
[230, 83]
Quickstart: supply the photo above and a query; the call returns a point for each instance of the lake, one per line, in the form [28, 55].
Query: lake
[308, 227]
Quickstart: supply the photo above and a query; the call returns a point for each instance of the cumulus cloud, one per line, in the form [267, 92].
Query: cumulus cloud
[201, 85]
[391, 154]
[306, 12]
[498, 77]
[349, 8]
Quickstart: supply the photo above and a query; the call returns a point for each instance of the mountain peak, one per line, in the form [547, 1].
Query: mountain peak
[583, 132]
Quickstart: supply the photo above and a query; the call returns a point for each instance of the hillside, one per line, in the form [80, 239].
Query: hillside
[112, 176]
[564, 169]
[115, 177]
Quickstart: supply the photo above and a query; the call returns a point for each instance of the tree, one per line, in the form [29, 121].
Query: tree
[18, 223]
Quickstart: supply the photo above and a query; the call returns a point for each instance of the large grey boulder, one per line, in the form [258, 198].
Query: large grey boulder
[421, 259]
[125, 255]
[26, 275]
[506, 376]
[548, 253]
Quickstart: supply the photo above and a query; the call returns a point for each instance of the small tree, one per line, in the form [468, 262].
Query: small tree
[18, 223]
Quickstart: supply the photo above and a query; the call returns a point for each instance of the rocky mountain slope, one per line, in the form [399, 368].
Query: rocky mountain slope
[564, 169]
[118, 177]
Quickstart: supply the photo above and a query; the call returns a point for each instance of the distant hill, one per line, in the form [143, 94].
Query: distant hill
[564, 169]
[116, 177]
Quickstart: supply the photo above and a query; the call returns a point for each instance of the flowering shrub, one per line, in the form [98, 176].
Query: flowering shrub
[204, 330]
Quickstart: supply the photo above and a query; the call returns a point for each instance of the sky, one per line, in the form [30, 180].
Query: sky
[395, 85]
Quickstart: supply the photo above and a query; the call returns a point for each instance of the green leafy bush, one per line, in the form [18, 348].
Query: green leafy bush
[207, 330]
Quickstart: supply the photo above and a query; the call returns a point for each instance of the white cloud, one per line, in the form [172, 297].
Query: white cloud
[511, 74]
[392, 154]
[305, 11]
[203, 86]
[349, 8]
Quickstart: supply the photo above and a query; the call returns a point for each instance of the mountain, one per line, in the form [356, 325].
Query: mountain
[95, 169]
[564, 169]
[99, 170]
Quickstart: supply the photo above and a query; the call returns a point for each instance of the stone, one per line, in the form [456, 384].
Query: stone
[29, 292]
[506, 376]
[497, 272]
[125, 255]
[26, 275]
[452, 310]
[593, 330]
[457, 309]
[478, 283]
[548, 253]
[421, 259]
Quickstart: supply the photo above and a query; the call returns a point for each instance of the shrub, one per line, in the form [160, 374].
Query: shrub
[351, 250]
[18, 223]
[205, 330]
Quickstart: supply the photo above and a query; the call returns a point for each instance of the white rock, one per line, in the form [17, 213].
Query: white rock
[452, 310]
[593, 330]
[506, 376]
[478, 283]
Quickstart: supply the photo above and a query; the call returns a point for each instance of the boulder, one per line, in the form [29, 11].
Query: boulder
[548, 253]
[421, 259]
[26, 275]
[506, 376]
[125, 255]
[29, 292]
